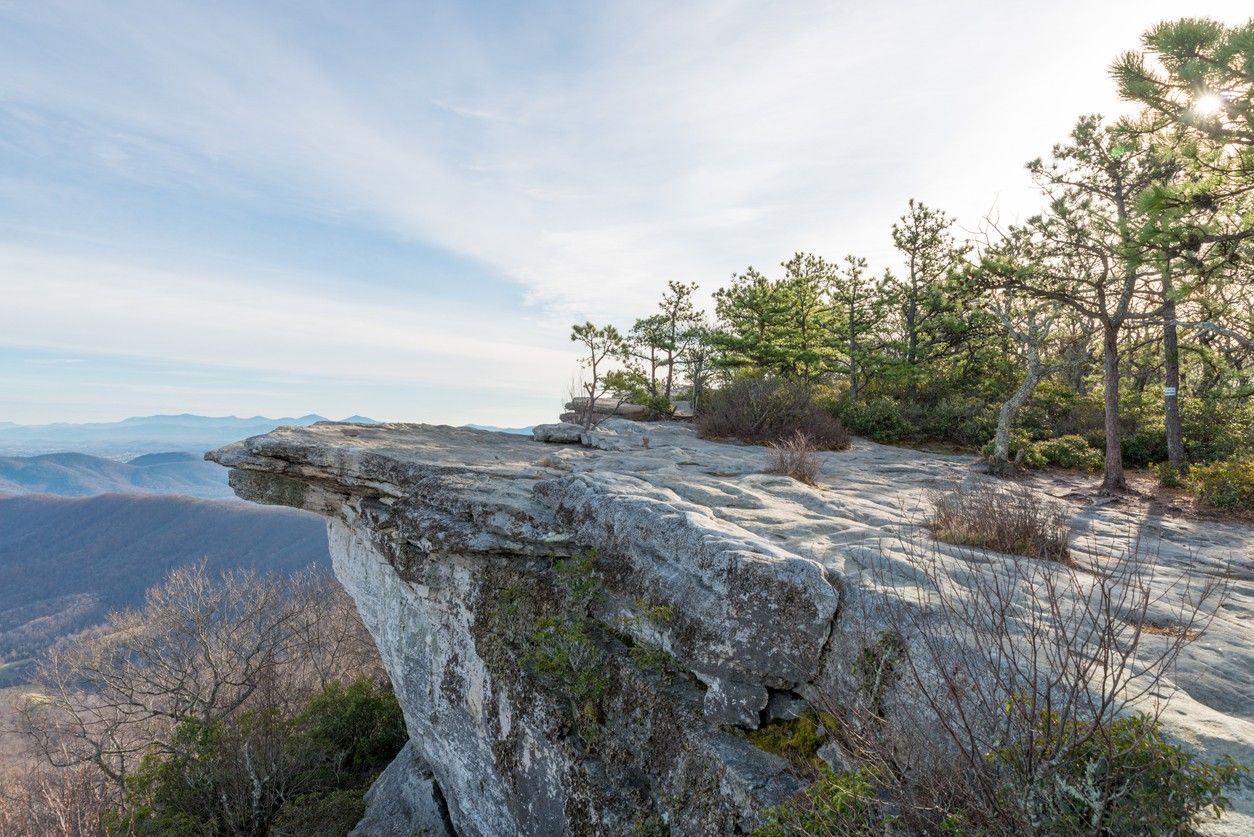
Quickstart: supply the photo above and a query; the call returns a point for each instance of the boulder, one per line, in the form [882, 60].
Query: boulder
[609, 407]
[564, 433]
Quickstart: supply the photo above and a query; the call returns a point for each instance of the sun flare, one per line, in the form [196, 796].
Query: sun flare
[1208, 104]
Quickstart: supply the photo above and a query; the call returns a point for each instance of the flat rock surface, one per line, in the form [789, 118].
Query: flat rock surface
[869, 503]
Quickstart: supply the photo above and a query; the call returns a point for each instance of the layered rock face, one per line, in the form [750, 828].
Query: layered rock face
[580, 632]
[571, 641]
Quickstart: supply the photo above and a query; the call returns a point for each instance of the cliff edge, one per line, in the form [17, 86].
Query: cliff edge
[580, 632]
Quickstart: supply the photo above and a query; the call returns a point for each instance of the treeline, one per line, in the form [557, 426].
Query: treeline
[232, 704]
[1116, 327]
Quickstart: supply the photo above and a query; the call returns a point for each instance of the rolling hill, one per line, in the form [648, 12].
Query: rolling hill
[81, 475]
[66, 562]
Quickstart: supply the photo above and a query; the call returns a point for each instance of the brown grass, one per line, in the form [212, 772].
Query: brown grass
[1170, 629]
[1011, 520]
[795, 457]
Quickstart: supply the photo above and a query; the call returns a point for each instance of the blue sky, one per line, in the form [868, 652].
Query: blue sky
[396, 208]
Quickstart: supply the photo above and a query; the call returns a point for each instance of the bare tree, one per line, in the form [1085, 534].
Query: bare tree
[40, 801]
[1030, 327]
[200, 651]
[977, 682]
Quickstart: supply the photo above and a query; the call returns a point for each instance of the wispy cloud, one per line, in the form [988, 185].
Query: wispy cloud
[76, 305]
[586, 152]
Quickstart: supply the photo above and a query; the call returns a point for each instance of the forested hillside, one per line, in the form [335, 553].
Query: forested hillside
[65, 563]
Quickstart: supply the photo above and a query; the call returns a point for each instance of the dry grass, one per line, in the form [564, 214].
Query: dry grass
[1170, 629]
[795, 457]
[1011, 520]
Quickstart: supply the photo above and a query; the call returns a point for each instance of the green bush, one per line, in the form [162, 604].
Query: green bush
[1057, 410]
[1125, 780]
[1216, 429]
[1169, 475]
[880, 419]
[333, 812]
[1128, 780]
[259, 768]
[1225, 485]
[1023, 450]
[1143, 447]
[1070, 452]
[360, 725]
[960, 420]
[838, 803]
[1063, 452]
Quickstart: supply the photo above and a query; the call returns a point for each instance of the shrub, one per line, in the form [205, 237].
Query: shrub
[1144, 446]
[1010, 703]
[1014, 521]
[1225, 485]
[760, 410]
[836, 804]
[795, 457]
[879, 419]
[1070, 452]
[1058, 410]
[1216, 429]
[243, 774]
[1023, 451]
[335, 812]
[1169, 475]
[961, 420]
[1128, 780]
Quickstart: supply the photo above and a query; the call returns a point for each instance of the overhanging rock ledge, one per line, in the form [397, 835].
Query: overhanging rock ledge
[546, 693]
[457, 545]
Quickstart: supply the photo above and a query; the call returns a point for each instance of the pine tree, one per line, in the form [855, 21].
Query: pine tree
[924, 296]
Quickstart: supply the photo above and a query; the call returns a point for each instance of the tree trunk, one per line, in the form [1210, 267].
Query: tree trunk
[912, 343]
[853, 363]
[1171, 385]
[1113, 479]
[912, 336]
[999, 463]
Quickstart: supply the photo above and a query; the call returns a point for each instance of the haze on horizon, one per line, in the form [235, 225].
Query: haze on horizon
[398, 211]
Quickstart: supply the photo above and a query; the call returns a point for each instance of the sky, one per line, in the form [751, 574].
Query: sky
[397, 209]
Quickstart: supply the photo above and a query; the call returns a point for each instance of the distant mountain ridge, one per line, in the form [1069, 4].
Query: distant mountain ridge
[492, 428]
[131, 437]
[81, 475]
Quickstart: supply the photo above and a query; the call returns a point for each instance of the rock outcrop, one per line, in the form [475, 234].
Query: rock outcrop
[604, 408]
[581, 632]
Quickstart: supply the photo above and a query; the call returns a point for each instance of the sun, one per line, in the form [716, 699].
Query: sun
[1208, 104]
